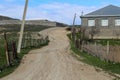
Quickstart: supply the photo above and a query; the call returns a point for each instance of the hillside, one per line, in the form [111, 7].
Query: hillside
[6, 18]
[16, 28]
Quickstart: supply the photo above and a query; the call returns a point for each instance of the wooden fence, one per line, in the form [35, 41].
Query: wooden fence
[33, 40]
[11, 50]
[104, 52]
[30, 40]
[108, 53]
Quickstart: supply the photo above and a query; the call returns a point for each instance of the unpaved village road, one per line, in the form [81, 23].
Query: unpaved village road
[54, 62]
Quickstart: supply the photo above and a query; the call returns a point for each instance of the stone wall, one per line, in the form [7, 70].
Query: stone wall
[103, 52]
[104, 33]
[111, 21]
[29, 22]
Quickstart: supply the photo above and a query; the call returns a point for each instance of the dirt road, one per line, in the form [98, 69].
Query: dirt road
[54, 62]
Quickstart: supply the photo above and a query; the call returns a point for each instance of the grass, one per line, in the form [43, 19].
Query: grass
[112, 42]
[8, 70]
[95, 61]
[2, 50]
[4, 70]
[16, 28]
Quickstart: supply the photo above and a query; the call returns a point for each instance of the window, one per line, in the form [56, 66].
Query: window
[104, 22]
[117, 22]
[91, 22]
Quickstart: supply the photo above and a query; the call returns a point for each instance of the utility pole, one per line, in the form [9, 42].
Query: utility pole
[73, 28]
[22, 27]
[82, 13]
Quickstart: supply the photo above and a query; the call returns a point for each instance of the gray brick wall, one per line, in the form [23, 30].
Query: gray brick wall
[111, 21]
[107, 32]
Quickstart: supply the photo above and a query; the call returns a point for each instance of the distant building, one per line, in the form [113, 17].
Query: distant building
[103, 23]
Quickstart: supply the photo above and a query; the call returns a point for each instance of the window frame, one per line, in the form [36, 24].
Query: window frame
[104, 22]
[92, 23]
[116, 23]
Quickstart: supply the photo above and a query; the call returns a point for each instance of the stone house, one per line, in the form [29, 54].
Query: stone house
[107, 19]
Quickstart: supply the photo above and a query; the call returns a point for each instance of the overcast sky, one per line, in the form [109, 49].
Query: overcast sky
[55, 10]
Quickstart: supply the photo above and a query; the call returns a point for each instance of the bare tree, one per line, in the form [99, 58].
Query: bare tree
[82, 32]
[82, 36]
[94, 30]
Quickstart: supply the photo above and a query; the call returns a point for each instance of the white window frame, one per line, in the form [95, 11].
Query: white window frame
[117, 22]
[104, 22]
[91, 22]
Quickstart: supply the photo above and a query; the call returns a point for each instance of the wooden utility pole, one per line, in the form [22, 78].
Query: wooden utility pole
[7, 53]
[73, 28]
[22, 27]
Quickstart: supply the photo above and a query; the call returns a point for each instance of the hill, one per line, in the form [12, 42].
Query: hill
[6, 18]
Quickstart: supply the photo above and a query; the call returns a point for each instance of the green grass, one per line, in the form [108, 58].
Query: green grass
[111, 41]
[16, 28]
[2, 50]
[78, 35]
[13, 30]
[95, 61]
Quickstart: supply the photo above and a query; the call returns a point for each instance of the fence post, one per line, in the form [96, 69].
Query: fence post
[108, 47]
[75, 38]
[14, 49]
[82, 46]
[77, 43]
[7, 53]
[30, 39]
[95, 47]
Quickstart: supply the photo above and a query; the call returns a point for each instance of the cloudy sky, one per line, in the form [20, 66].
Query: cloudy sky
[55, 10]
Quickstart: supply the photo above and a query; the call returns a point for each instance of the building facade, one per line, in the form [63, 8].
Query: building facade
[103, 23]
[108, 16]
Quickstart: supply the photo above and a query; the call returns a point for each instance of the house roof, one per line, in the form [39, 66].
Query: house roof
[109, 10]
